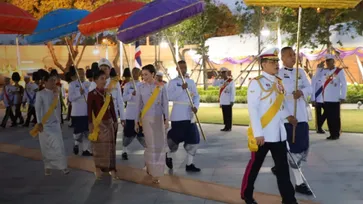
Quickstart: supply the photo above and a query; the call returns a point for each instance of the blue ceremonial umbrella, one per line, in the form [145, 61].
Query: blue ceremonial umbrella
[56, 24]
[156, 16]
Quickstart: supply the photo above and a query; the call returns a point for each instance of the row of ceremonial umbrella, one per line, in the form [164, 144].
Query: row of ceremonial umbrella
[134, 20]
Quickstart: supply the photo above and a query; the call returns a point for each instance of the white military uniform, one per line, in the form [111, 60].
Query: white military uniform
[181, 105]
[228, 94]
[317, 97]
[131, 115]
[288, 76]
[130, 99]
[226, 99]
[258, 104]
[337, 88]
[335, 91]
[261, 95]
[183, 127]
[79, 114]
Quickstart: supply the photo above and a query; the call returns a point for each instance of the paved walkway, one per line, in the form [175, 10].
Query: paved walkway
[334, 170]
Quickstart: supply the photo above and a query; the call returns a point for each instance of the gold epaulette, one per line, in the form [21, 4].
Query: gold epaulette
[259, 77]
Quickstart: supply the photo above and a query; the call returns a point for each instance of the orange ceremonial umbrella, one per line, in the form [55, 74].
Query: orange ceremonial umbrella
[109, 16]
[14, 20]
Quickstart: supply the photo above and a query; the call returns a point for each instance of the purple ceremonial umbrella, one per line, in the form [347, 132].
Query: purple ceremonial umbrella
[156, 16]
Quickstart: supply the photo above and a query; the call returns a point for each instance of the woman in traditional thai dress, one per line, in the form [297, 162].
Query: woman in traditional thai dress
[152, 104]
[102, 127]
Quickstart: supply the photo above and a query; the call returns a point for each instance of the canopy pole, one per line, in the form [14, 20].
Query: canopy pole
[121, 58]
[75, 66]
[17, 52]
[128, 64]
[297, 69]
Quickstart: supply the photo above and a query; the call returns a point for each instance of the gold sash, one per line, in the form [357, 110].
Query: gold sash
[97, 121]
[265, 119]
[35, 131]
[149, 103]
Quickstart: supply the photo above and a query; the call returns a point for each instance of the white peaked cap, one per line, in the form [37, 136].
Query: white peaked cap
[104, 61]
[329, 56]
[159, 74]
[224, 69]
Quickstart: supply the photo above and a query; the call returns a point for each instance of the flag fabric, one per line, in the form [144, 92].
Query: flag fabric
[138, 63]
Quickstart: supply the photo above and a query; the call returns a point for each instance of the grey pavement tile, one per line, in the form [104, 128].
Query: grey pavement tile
[334, 170]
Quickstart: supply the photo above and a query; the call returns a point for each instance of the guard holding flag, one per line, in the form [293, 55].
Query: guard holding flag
[266, 107]
[334, 92]
[227, 93]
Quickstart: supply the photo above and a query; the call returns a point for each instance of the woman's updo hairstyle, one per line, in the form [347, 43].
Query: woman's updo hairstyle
[150, 68]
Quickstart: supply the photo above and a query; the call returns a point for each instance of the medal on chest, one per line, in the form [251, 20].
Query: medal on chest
[280, 88]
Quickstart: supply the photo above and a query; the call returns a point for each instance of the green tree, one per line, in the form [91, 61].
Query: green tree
[315, 22]
[216, 20]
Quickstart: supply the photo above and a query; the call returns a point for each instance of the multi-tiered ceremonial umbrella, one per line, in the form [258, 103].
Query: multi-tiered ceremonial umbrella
[156, 16]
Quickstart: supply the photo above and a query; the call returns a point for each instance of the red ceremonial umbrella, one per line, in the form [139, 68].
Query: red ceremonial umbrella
[110, 15]
[14, 20]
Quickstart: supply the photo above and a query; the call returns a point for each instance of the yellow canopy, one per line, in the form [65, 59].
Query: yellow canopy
[329, 4]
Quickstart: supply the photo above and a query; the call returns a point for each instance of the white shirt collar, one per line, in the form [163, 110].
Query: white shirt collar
[269, 76]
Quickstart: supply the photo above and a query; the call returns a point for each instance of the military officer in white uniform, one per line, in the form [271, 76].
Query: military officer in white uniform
[266, 107]
[317, 98]
[334, 92]
[299, 148]
[115, 91]
[183, 127]
[29, 97]
[129, 96]
[7, 96]
[77, 94]
[227, 93]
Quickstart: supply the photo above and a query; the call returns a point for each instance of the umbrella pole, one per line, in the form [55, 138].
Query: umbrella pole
[297, 69]
[75, 66]
[128, 64]
[187, 90]
[17, 52]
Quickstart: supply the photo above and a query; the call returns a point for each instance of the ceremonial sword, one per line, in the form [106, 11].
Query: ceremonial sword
[302, 175]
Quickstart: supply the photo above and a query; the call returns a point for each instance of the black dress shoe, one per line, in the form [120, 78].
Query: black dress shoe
[75, 149]
[191, 168]
[303, 189]
[169, 162]
[224, 129]
[249, 200]
[87, 154]
[124, 156]
[320, 132]
[26, 125]
[273, 170]
[332, 138]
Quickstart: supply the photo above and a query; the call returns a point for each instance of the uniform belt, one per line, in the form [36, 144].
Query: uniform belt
[181, 103]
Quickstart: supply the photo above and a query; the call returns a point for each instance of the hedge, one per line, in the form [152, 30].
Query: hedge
[354, 94]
